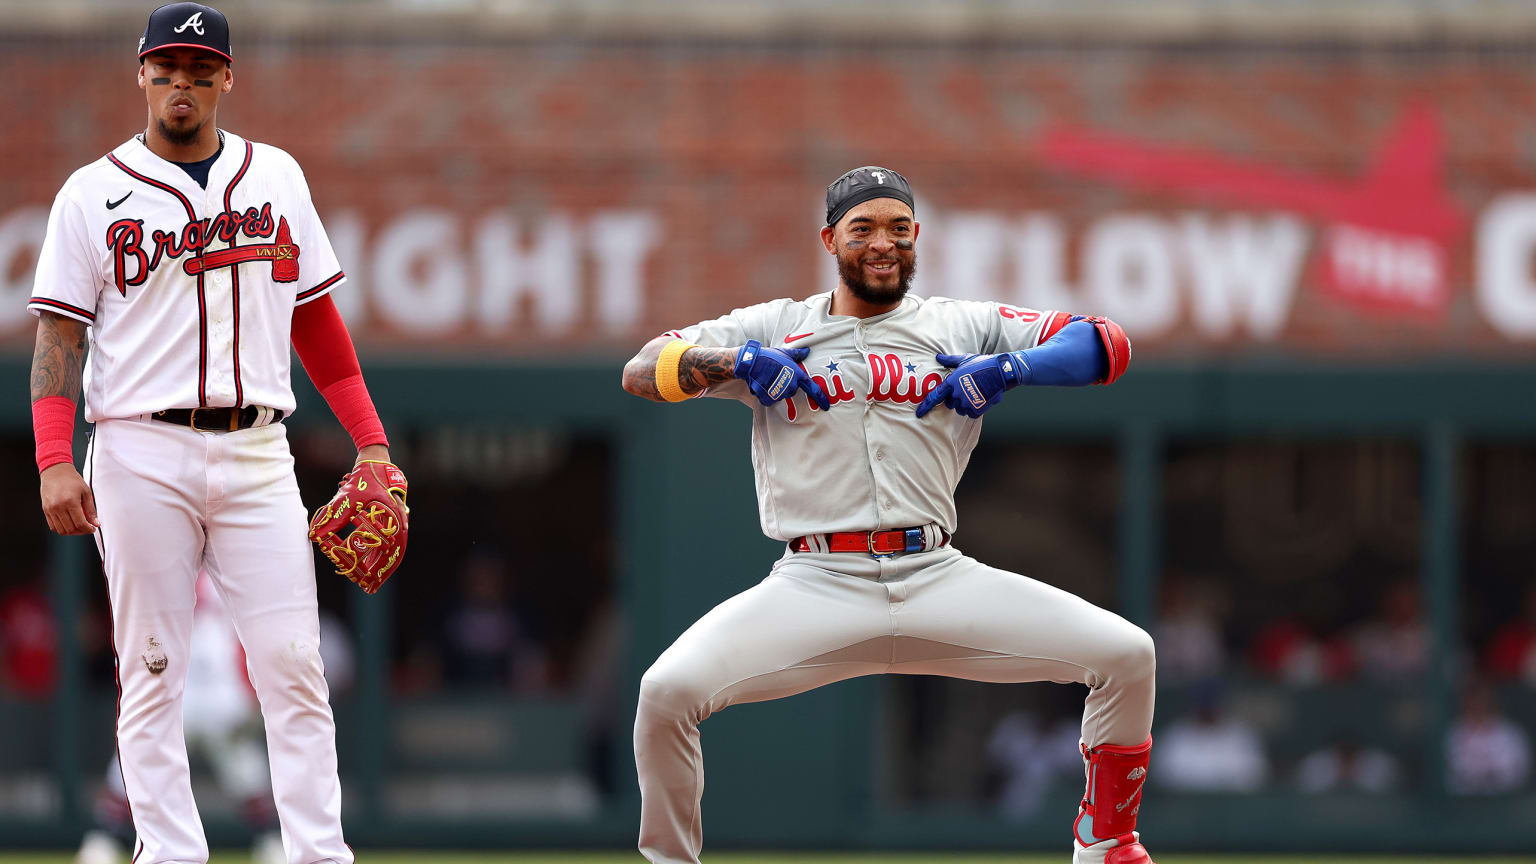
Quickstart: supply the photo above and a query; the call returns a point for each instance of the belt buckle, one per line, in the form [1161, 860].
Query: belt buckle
[869, 539]
[234, 420]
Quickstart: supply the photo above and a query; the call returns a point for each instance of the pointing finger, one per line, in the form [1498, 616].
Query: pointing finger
[950, 360]
[812, 389]
[797, 354]
[933, 398]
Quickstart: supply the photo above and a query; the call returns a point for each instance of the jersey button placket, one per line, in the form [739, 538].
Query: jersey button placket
[876, 494]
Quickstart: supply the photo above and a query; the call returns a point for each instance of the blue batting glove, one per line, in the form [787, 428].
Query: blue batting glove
[977, 383]
[774, 374]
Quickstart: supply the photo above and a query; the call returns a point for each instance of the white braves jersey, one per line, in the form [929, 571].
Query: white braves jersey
[189, 291]
[868, 463]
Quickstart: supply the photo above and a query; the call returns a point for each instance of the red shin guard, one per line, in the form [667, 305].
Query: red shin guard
[1115, 776]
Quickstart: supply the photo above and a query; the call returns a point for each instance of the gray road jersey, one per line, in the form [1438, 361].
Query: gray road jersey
[868, 463]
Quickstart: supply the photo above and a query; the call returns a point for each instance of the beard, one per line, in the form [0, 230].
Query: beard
[179, 137]
[851, 270]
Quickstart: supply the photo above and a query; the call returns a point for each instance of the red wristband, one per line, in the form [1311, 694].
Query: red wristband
[350, 402]
[53, 425]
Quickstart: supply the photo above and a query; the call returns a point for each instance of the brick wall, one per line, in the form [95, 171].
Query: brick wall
[519, 196]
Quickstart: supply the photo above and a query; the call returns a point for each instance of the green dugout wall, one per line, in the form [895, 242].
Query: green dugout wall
[801, 772]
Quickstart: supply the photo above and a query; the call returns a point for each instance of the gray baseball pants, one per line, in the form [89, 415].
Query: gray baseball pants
[825, 617]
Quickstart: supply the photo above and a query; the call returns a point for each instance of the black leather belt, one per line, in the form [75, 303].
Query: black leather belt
[217, 419]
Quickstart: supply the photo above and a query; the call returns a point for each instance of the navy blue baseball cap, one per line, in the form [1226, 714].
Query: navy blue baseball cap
[186, 25]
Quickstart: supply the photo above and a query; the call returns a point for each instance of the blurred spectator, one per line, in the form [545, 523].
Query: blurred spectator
[1029, 758]
[1486, 752]
[1188, 639]
[1210, 751]
[337, 653]
[599, 670]
[420, 671]
[1511, 655]
[1290, 650]
[1345, 766]
[1394, 646]
[28, 641]
[485, 642]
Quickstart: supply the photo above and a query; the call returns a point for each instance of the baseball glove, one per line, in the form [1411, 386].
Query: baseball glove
[363, 528]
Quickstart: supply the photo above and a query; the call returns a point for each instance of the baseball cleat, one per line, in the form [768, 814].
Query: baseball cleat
[268, 849]
[1125, 849]
[99, 847]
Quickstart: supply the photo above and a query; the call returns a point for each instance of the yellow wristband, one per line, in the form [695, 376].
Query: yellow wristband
[666, 370]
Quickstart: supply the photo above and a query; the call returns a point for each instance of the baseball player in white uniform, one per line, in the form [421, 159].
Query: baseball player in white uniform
[889, 387]
[188, 258]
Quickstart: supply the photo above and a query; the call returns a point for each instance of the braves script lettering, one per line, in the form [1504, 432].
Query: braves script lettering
[125, 239]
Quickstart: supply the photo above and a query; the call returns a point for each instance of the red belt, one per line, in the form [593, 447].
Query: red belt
[878, 543]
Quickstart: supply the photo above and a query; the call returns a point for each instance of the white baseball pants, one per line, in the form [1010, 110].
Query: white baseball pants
[172, 500]
[825, 617]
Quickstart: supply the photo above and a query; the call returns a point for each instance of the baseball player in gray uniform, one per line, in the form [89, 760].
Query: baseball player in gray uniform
[890, 387]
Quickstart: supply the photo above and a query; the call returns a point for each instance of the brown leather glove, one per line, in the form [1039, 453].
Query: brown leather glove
[363, 528]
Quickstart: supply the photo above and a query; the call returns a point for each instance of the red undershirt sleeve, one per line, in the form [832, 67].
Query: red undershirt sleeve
[325, 349]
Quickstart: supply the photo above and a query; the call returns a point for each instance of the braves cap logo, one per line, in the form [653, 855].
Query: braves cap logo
[195, 22]
[186, 24]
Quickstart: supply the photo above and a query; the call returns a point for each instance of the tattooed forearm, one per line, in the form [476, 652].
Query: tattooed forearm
[701, 367]
[698, 368]
[640, 371]
[57, 357]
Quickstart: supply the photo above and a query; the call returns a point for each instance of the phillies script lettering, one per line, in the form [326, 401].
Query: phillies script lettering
[889, 381]
[125, 239]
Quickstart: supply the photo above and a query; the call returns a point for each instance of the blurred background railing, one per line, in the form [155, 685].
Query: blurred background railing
[1316, 220]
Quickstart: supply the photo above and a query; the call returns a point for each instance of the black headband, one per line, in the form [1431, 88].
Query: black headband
[864, 184]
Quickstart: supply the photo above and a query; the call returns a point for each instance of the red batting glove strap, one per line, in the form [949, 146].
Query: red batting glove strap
[53, 425]
[350, 401]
